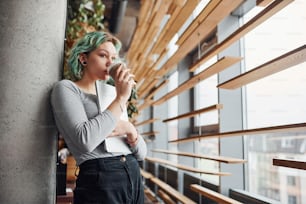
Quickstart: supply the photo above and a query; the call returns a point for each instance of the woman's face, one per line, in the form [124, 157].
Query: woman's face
[99, 60]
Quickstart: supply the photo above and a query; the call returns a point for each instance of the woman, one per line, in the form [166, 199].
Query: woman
[104, 177]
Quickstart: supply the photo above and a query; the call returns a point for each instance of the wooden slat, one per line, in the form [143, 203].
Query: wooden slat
[278, 64]
[299, 127]
[171, 191]
[269, 11]
[146, 87]
[149, 133]
[150, 195]
[165, 197]
[145, 104]
[167, 188]
[290, 163]
[152, 120]
[174, 24]
[223, 63]
[146, 69]
[140, 37]
[143, 67]
[223, 9]
[196, 112]
[154, 26]
[201, 32]
[199, 19]
[215, 196]
[144, 17]
[145, 11]
[263, 3]
[186, 168]
[227, 160]
[160, 86]
[145, 174]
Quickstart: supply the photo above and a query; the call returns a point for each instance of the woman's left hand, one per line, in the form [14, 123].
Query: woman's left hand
[125, 128]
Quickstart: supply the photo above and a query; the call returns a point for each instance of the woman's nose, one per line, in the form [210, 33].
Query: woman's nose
[109, 62]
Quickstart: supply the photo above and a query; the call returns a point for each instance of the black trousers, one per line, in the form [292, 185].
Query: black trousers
[114, 180]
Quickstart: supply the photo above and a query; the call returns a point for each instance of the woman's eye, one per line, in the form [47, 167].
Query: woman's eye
[102, 55]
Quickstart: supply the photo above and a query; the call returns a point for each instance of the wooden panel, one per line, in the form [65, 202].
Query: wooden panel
[299, 127]
[164, 83]
[250, 25]
[151, 33]
[196, 112]
[167, 32]
[165, 197]
[144, 17]
[174, 24]
[145, 104]
[171, 191]
[147, 86]
[145, 174]
[145, 35]
[201, 32]
[186, 168]
[278, 64]
[227, 160]
[210, 71]
[152, 120]
[219, 198]
[290, 163]
[199, 19]
[145, 11]
[143, 66]
[263, 3]
[149, 133]
[150, 195]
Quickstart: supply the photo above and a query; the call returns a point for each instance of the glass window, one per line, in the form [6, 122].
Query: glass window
[291, 180]
[292, 199]
[206, 94]
[278, 99]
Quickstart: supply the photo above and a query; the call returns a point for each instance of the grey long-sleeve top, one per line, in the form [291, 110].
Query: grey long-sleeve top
[84, 129]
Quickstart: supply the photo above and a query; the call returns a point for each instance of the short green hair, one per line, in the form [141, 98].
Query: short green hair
[86, 44]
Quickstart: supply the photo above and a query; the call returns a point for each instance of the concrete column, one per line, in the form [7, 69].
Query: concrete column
[31, 55]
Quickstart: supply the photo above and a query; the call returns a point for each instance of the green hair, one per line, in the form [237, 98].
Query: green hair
[86, 44]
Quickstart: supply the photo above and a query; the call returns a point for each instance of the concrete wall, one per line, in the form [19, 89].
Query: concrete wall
[31, 52]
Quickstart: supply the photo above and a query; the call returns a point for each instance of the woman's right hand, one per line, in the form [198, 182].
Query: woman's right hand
[124, 82]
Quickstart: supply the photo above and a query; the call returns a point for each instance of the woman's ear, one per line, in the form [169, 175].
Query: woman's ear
[83, 59]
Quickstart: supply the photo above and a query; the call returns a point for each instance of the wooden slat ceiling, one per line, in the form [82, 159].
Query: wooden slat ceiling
[161, 20]
[149, 45]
